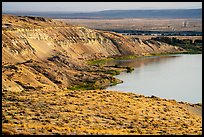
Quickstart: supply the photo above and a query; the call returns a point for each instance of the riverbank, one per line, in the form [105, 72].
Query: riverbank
[96, 112]
[101, 61]
[100, 67]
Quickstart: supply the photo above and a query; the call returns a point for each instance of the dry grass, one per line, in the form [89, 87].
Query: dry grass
[94, 112]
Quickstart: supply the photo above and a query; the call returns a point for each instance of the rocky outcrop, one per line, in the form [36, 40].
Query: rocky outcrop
[40, 53]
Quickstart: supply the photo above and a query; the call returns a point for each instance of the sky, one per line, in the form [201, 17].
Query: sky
[93, 6]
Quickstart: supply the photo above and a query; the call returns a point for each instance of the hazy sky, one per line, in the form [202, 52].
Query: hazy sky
[94, 6]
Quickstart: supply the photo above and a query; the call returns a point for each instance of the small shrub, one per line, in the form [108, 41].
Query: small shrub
[129, 69]
[84, 86]
[112, 72]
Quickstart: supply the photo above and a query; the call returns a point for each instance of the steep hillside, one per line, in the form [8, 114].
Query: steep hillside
[40, 53]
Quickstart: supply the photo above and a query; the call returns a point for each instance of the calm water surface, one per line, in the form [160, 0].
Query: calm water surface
[176, 77]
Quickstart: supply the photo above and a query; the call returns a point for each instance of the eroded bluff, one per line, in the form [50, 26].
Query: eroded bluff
[44, 54]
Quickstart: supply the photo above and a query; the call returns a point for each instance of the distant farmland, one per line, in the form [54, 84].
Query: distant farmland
[139, 24]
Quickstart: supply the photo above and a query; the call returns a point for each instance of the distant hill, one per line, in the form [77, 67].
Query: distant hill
[117, 14]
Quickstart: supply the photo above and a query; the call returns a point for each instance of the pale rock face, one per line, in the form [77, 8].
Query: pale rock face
[61, 49]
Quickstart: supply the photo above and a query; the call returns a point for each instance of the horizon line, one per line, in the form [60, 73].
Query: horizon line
[98, 11]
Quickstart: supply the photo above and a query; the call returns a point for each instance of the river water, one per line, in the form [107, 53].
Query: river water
[176, 77]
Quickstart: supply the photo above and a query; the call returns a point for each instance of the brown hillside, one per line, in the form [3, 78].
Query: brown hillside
[40, 53]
